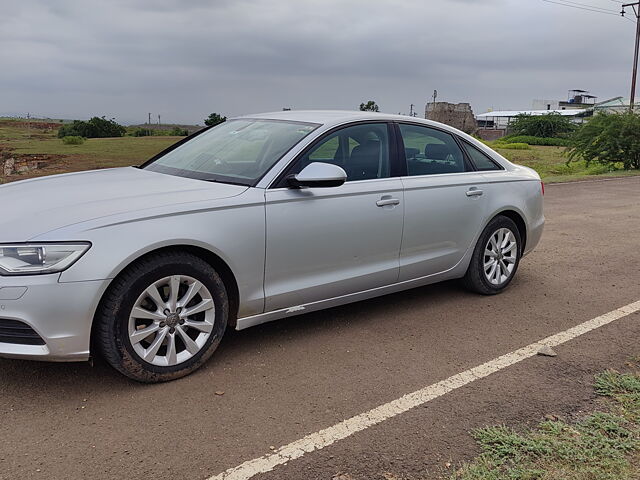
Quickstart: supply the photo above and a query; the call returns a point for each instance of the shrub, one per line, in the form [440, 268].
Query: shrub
[73, 140]
[141, 132]
[599, 169]
[148, 132]
[515, 146]
[531, 140]
[549, 125]
[179, 132]
[96, 127]
[608, 139]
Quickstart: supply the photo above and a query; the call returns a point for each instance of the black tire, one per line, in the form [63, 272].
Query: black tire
[112, 320]
[475, 279]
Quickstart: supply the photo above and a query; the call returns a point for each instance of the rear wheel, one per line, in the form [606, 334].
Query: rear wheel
[163, 317]
[495, 258]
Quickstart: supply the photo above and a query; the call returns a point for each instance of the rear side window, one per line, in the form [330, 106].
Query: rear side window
[481, 161]
[430, 152]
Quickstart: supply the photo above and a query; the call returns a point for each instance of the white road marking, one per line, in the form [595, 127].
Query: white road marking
[346, 428]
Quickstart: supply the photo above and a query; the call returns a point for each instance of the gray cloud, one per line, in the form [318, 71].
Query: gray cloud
[184, 60]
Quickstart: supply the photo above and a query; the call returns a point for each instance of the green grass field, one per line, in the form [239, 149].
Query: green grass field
[552, 166]
[39, 138]
[17, 139]
[102, 152]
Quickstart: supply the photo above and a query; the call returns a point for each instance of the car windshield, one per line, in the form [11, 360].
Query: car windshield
[238, 151]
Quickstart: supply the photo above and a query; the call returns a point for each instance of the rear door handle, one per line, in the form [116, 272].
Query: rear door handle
[383, 202]
[474, 192]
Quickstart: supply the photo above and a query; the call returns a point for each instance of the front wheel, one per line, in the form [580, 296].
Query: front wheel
[495, 258]
[163, 317]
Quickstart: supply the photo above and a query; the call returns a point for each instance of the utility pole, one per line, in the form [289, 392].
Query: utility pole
[29, 125]
[411, 110]
[149, 122]
[426, 109]
[634, 77]
[158, 119]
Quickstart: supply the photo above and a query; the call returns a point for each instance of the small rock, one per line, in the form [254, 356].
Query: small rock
[219, 393]
[9, 165]
[342, 476]
[547, 351]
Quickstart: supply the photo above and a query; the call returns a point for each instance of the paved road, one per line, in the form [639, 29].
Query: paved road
[289, 378]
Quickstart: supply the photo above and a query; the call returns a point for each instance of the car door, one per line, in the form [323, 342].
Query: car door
[444, 202]
[327, 242]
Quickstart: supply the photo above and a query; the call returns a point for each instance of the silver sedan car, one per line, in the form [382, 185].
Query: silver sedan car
[259, 218]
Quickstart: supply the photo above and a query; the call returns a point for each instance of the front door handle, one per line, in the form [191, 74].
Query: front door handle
[474, 192]
[384, 201]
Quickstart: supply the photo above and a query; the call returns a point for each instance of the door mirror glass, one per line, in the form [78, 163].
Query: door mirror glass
[318, 175]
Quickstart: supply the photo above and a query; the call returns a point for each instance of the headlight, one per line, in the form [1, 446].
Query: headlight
[39, 258]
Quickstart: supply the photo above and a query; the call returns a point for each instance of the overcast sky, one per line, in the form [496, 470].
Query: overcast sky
[184, 59]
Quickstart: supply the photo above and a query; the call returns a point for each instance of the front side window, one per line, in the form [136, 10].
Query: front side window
[429, 151]
[238, 151]
[361, 150]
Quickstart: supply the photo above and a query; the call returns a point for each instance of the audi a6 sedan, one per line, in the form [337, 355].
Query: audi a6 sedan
[259, 218]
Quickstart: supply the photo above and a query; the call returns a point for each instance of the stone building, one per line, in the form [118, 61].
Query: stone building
[459, 115]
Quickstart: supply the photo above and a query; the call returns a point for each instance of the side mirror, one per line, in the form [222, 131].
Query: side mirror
[318, 175]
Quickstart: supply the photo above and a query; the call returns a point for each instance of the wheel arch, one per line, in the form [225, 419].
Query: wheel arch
[208, 256]
[518, 219]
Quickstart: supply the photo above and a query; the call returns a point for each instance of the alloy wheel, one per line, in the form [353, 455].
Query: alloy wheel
[171, 320]
[500, 256]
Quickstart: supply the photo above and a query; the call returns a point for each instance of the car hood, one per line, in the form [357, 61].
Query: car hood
[33, 207]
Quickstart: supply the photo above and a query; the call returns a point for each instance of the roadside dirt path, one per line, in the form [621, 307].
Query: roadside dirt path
[284, 380]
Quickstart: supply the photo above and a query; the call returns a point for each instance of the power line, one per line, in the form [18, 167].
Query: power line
[582, 7]
[595, 7]
[606, 11]
[589, 8]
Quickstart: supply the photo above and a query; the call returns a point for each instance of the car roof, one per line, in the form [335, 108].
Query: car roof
[336, 117]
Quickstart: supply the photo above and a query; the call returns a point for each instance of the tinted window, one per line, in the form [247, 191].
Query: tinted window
[429, 151]
[479, 159]
[362, 151]
[327, 151]
[237, 151]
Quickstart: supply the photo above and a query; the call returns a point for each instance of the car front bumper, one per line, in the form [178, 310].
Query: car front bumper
[44, 319]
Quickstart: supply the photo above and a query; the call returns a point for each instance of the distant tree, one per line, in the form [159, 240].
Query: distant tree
[214, 119]
[545, 126]
[96, 127]
[370, 106]
[608, 139]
